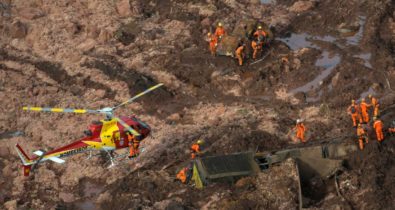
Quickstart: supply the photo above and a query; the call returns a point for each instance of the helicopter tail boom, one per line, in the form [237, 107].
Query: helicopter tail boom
[26, 160]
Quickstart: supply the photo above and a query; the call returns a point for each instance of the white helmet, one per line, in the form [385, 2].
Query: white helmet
[298, 121]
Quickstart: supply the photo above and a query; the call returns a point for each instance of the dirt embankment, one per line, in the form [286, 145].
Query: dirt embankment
[95, 54]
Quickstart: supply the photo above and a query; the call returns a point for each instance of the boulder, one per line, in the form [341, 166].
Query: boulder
[18, 30]
[31, 13]
[66, 197]
[124, 8]
[88, 45]
[11, 205]
[301, 6]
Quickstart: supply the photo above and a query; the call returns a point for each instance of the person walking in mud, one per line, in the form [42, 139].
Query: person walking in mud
[362, 136]
[300, 131]
[354, 111]
[240, 54]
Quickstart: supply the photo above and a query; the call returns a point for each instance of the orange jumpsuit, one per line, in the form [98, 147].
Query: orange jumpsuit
[259, 33]
[257, 47]
[195, 149]
[134, 144]
[378, 126]
[376, 111]
[355, 114]
[182, 175]
[300, 129]
[374, 101]
[219, 32]
[213, 44]
[364, 111]
[240, 54]
[362, 137]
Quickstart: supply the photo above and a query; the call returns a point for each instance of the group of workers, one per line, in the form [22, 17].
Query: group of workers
[185, 174]
[257, 43]
[361, 114]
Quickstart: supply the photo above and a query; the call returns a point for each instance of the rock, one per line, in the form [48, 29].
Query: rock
[31, 13]
[205, 22]
[7, 171]
[11, 205]
[301, 6]
[123, 8]
[255, 1]
[335, 79]
[296, 63]
[18, 30]
[66, 197]
[88, 45]
[92, 31]
[104, 36]
[174, 117]
[244, 182]
[99, 93]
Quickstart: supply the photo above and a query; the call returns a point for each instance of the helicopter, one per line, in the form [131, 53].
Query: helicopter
[106, 135]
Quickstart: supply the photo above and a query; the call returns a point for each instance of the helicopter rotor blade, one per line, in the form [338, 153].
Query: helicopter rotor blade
[127, 127]
[59, 110]
[138, 96]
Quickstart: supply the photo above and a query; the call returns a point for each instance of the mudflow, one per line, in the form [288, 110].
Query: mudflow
[97, 53]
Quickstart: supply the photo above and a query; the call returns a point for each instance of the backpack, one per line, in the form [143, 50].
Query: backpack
[353, 110]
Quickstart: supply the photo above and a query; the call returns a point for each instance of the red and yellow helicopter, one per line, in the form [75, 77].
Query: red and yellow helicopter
[106, 135]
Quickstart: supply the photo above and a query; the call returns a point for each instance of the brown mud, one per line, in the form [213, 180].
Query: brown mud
[95, 54]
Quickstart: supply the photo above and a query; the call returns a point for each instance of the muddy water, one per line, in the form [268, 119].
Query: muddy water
[366, 58]
[328, 62]
[356, 38]
[305, 40]
[267, 1]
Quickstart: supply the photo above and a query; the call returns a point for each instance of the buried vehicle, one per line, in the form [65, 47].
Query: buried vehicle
[243, 33]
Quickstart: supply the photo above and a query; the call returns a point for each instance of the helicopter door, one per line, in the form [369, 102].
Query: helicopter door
[117, 139]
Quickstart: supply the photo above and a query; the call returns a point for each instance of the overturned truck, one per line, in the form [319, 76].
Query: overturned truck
[243, 33]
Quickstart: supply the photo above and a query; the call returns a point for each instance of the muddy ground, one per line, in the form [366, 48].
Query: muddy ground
[97, 53]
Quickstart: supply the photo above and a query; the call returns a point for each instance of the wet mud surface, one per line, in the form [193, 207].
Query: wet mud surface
[97, 54]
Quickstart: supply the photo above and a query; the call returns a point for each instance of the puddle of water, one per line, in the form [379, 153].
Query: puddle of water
[366, 93]
[366, 59]
[11, 134]
[326, 61]
[356, 38]
[266, 1]
[304, 40]
[298, 41]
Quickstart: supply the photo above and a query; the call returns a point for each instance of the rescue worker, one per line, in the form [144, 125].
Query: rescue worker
[300, 130]
[185, 174]
[362, 136]
[354, 111]
[364, 111]
[374, 103]
[260, 35]
[391, 130]
[196, 148]
[376, 111]
[219, 31]
[134, 144]
[213, 43]
[256, 47]
[378, 127]
[240, 54]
